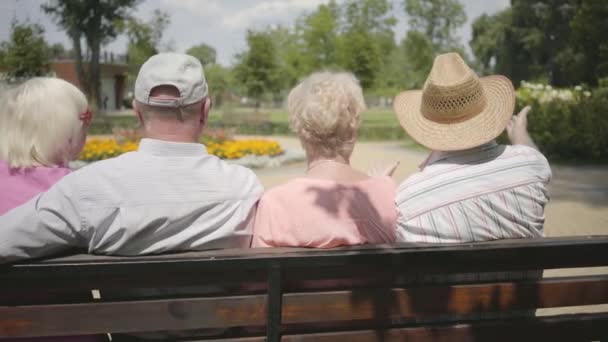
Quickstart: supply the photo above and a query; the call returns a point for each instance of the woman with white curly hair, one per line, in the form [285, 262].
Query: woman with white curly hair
[333, 204]
[43, 126]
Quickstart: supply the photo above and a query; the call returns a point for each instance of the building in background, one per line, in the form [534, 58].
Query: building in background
[113, 80]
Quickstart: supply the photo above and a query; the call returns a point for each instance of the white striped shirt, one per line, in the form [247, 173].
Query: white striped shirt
[165, 197]
[486, 193]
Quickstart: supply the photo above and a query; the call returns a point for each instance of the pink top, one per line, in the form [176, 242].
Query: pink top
[18, 186]
[320, 213]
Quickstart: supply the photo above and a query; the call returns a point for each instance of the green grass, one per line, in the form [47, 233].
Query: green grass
[377, 124]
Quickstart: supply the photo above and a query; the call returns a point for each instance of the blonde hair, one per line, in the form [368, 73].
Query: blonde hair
[325, 112]
[38, 120]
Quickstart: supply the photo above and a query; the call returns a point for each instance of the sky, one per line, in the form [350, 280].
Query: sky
[219, 23]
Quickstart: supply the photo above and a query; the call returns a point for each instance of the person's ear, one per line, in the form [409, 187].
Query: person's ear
[206, 108]
[138, 113]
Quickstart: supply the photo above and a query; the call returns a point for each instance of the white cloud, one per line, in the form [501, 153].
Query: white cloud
[207, 8]
[276, 10]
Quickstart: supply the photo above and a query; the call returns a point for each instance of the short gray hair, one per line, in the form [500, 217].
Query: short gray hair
[325, 111]
[182, 113]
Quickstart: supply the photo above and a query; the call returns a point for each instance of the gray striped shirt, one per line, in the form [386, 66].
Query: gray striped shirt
[486, 193]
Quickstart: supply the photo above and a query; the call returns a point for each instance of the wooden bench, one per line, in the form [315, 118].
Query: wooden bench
[413, 292]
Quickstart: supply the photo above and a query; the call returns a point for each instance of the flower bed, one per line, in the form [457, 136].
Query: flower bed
[99, 149]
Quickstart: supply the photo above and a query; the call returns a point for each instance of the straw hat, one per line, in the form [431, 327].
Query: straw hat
[456, 110]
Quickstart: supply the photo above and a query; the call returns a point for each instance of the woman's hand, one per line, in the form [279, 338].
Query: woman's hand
[386, 171]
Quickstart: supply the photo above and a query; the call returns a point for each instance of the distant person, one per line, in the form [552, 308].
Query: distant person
[469, 188]
[43, 126]
[170, 195]
[333, 204]
[105, 102]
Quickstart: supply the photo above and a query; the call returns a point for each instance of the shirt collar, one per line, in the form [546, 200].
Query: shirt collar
[436, 156]
[163, 148]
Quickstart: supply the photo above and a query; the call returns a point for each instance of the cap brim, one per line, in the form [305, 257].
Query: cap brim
[478, 130]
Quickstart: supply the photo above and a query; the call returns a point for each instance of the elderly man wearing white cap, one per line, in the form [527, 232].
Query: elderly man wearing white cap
[169, 195]
[469, 188]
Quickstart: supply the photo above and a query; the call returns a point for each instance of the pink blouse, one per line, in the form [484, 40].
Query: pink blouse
[308, 212]
[18, 186]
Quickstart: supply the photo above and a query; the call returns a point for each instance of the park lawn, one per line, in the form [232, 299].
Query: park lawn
[372, 116]
[378, 123]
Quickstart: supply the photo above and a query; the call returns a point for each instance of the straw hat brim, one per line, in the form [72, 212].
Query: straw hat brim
[476, 131]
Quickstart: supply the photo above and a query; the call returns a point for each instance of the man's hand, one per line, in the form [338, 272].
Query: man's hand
[517, 129]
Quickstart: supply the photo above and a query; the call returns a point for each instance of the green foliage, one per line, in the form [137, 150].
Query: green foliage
[144, 39]
[204, 53]
[58, 51]
[319, 32]
[488, 41]
[258, 68]
[219, 80]
[95, 21]
[26, 54]
[568, 124]
[367, 40]
[419, 54]
[432, 28]
[563, 42]
[589, 42]
[437, 20]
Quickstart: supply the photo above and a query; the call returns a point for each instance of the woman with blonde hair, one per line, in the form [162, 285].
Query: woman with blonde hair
[43, 126]
[333, 204]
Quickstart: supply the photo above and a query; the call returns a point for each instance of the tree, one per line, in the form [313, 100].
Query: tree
[219, 80]
[58, 51]
[204, 53]
[95, 22]
[258, 67]
[437, 20]
[589, 42]
[144, 39]
[488, 41]
[26, 54]
[367, 39]
[319, 33]
[419, 53]
[562, 42]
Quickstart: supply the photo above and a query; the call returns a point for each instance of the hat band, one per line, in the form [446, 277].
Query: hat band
[438, 111]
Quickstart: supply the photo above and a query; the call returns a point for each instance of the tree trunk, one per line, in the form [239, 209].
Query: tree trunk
[94, 42]
[95, 74]
[82, 73]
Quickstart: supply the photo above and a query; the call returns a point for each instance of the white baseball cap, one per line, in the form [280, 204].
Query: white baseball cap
[182, 71]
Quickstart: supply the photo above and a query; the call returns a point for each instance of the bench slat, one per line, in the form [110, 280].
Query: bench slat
[75, 273]
[390, 305]
[125, 317]
[565, 328]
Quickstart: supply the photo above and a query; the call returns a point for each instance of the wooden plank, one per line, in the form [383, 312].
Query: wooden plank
[125, 317]
[89, 272]
[558, 328]
[396, 305]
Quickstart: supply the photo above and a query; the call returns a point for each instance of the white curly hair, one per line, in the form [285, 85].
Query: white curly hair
[325, 112]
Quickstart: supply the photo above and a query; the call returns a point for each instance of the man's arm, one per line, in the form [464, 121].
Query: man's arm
[47, 224]
[517, 129]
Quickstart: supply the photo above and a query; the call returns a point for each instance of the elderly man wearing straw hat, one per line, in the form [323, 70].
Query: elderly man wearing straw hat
[469, 188]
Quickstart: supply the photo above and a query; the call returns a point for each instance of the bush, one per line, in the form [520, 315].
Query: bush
[568, 124]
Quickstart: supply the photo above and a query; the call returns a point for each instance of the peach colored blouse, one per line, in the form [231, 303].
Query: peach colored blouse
[320, 213]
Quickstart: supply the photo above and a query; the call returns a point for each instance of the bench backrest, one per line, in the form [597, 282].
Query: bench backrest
[414, 292]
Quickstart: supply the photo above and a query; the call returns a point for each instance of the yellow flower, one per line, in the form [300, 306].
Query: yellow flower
[98, 149]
